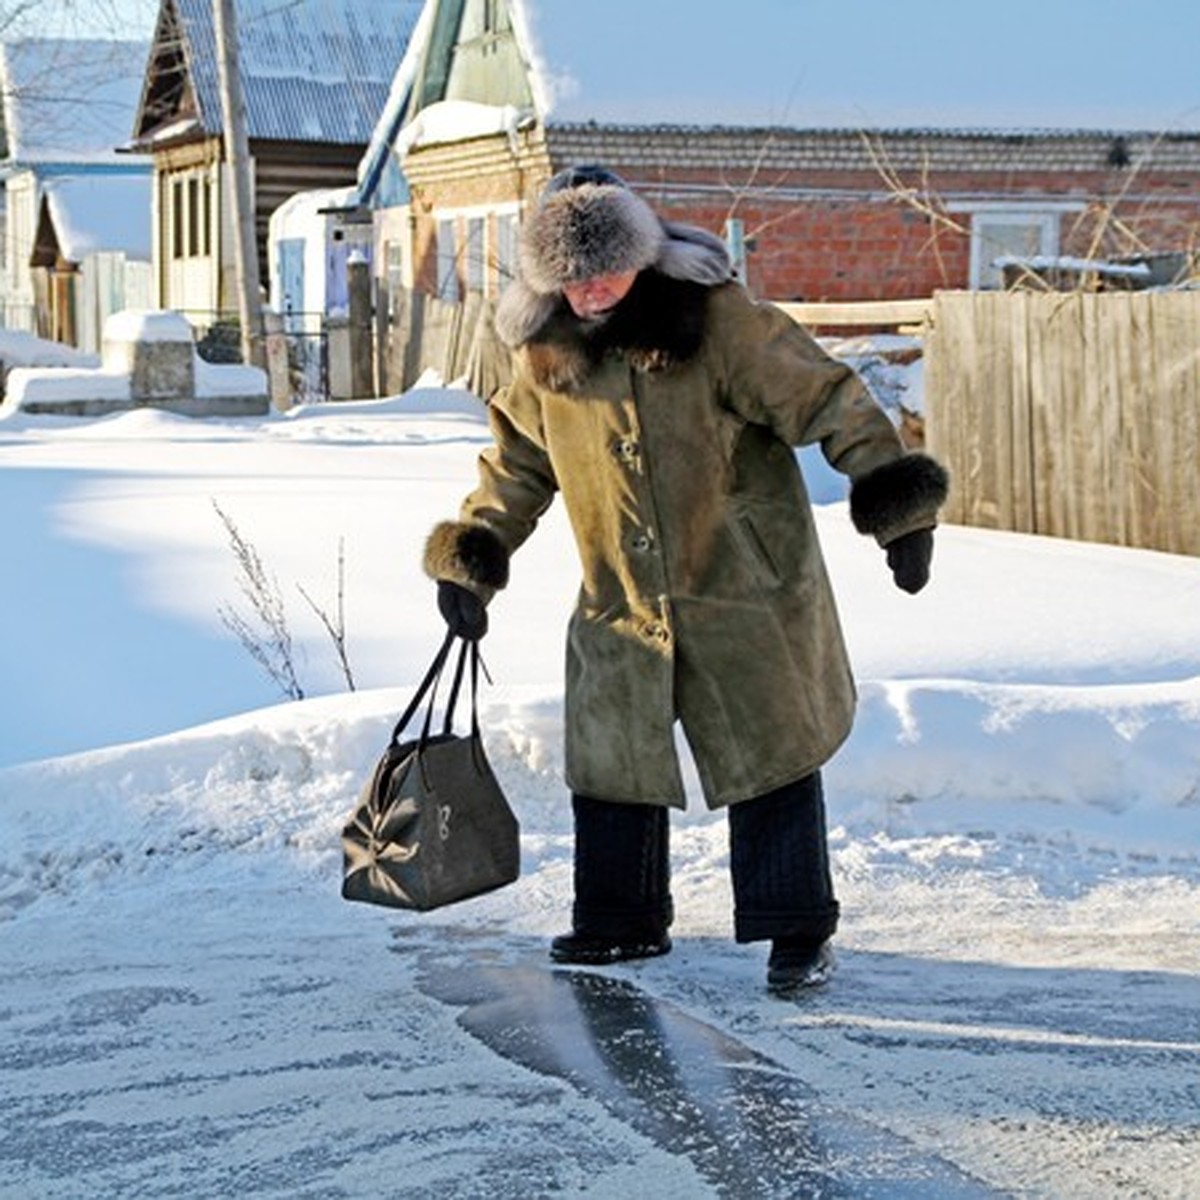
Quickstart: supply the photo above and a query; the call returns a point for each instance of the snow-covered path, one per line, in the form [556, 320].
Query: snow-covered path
[188, 1008]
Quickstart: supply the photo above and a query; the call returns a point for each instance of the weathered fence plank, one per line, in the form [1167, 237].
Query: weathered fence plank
[1070, 414]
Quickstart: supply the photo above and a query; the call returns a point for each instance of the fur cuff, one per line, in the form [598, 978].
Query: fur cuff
[470, 555]
[899, 497]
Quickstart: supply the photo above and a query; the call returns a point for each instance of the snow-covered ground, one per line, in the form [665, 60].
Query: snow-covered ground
[187, 1007]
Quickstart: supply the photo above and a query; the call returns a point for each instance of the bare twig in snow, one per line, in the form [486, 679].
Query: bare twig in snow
[335, 626]
[265, 634]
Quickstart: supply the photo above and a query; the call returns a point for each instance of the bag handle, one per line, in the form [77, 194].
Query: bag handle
[429, 685]
[430, 681]
[452, 699]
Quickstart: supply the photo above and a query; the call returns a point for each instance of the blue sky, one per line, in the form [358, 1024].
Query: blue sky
[1011, 63]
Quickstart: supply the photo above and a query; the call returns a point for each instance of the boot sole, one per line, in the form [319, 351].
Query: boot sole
[603, 957]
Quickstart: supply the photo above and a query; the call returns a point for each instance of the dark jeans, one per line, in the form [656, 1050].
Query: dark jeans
[778, 857]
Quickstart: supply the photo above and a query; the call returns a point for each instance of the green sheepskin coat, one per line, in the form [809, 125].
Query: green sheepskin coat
[704, 595]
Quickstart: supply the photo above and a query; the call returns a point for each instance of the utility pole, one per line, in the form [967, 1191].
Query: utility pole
[237, 156]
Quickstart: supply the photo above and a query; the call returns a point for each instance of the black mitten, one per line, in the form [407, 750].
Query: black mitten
[909, 557]
[462, 610]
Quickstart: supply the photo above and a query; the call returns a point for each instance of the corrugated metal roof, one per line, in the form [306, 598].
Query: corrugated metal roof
[909, 150]
[312, 70]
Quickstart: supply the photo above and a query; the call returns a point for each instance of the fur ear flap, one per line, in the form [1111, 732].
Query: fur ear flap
[470, 555]
[899, 497]
[521, 312]
[693, 255]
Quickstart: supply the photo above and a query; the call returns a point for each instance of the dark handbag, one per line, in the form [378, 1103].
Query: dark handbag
[432, 826]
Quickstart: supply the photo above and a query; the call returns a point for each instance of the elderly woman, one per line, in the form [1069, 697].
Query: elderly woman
[664, 404]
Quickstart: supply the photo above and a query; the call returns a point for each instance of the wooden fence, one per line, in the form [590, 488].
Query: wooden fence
[1070, 414]
[456, 340]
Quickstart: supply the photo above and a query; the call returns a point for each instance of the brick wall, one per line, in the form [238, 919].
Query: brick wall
[838, 249]
[833, 215]
[865, 242]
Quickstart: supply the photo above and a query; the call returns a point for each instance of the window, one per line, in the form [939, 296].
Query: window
[996, 235]
[476, 261]
[191, 216]
[477, 250]
[447, 261]
[506, 248]
[177, 227]
[206, 216]
[1001, 228]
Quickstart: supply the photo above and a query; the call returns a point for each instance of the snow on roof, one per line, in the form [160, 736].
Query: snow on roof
[305, 205]
[68, 100]
[101, 212]
[388, 123]
[312, 70]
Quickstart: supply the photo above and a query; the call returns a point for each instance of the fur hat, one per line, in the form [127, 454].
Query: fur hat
[587, 223]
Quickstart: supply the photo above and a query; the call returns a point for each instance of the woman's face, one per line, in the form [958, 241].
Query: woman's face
[594, 297]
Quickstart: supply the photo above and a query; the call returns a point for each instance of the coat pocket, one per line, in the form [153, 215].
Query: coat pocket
[755, 551]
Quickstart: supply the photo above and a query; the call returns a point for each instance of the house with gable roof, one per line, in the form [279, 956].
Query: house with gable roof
[497, 95]
[91, 254]
[65, 106]
[315, 76]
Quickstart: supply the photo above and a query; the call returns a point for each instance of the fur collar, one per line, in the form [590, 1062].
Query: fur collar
[659, 324]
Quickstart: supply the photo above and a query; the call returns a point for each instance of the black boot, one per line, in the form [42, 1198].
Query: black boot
[622, 879]
[782, 887]
[797, 963]
[597, 950]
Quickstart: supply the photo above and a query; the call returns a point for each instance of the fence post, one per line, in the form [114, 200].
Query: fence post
[278, 375]
[379, 334]
[362, 353]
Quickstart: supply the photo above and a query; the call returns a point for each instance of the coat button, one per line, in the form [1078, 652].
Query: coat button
[657, 633]
[642, 542]
[626, 450]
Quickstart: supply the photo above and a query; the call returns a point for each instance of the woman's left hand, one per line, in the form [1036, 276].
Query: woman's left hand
[909, 557]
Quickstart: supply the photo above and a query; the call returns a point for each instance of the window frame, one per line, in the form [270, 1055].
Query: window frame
[490, 269]
[1046, 215]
